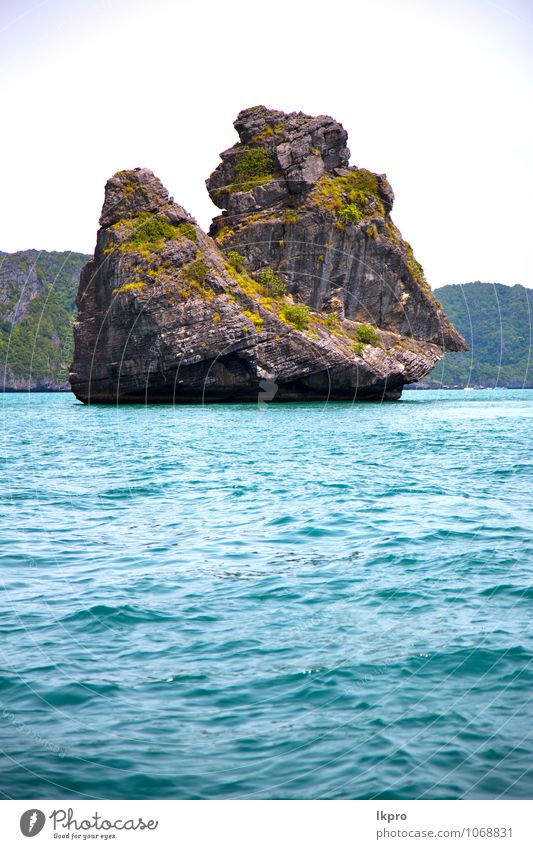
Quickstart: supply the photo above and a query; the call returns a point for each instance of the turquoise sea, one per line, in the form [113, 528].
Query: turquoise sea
[289, 601]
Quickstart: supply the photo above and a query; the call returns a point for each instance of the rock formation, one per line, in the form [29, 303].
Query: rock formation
[306, 287]
[292, 204]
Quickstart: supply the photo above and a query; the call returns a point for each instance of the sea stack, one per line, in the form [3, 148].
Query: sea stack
[304, 281]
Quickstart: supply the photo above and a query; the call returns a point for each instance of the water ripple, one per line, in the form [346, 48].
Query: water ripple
[301, 602]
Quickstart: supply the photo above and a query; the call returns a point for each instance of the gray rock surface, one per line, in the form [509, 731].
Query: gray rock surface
[324, 228]
[318, 301]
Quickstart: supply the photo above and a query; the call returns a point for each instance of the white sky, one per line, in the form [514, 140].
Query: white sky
[435, 93]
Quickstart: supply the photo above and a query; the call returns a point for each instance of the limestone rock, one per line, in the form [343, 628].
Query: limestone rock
[323, 227]
[129, 193]
[307, 284]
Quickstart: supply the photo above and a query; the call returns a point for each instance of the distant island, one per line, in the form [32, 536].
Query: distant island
[37, 307]
[496, 321]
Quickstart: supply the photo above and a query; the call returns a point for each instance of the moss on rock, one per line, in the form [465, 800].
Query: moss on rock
[349, 197]
[253, 166]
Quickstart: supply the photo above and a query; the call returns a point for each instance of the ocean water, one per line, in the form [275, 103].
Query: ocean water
[296, 601]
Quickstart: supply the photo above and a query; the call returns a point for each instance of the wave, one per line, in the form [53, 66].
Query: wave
[523, 593]
[110, 615]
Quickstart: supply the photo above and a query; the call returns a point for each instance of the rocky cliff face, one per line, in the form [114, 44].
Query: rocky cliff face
[307, 289]
[292, 204]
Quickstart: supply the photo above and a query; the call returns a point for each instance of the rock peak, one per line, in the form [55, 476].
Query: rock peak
[135, 191]
[288, 151]
[260, 124]
[293, 204]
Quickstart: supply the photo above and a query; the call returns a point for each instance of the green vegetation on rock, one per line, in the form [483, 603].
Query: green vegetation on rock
[135, 286]
[298, 315]
[188, 231]
[269, 131]
[349, 198]
[271, 283]
[367, 335]
[144, 238]
[192, 280]
[415, 268]
[236, 260]
[224, 233]
[255, 318]
[253, 167]
[350, 214]
[290, 216]
[148, 232]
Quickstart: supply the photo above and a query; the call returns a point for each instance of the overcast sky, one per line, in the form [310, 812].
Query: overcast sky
[435, 93]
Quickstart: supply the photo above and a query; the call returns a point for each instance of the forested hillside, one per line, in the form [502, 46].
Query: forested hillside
[37, 295]
[496, 321]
